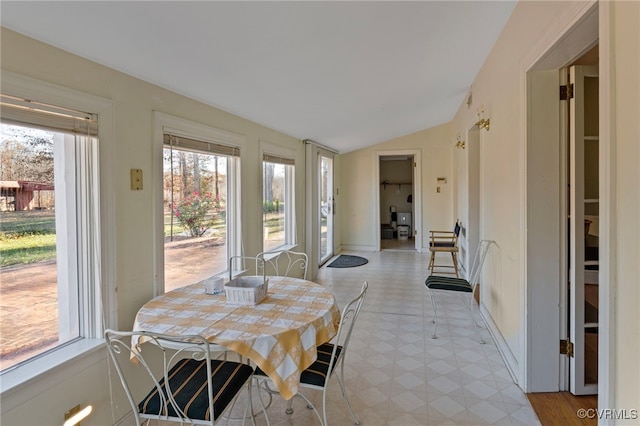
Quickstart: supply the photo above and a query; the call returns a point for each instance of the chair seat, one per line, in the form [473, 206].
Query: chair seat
[442, 244]
[188, 379]
[435, 282]
[316, 373]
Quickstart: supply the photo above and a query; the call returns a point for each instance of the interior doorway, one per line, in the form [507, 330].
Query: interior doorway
[552, 227]
[396, 202]
[399, 200]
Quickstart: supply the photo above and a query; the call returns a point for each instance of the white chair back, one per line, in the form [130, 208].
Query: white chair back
[131, 364]
[285, 263]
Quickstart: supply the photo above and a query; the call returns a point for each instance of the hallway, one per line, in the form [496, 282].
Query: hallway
[398, 374]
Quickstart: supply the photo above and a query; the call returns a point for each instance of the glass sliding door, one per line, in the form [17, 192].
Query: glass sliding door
[325, 204]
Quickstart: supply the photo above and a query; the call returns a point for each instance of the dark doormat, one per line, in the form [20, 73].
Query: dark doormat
[347, 261]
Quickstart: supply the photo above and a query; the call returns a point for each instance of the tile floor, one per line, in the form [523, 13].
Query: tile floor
[396, 374]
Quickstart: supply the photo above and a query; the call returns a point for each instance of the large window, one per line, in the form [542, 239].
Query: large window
[198, 208]
[50, 239]
[278, 204]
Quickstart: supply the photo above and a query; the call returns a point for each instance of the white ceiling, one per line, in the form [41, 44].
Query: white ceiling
[344, 74]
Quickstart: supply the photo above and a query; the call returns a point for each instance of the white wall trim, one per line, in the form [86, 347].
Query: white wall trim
[607, 275]
[510, 360]
[357, 247]
[570, 36]
[49, 371]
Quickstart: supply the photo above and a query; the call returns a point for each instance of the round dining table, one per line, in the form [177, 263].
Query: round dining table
[280, 334]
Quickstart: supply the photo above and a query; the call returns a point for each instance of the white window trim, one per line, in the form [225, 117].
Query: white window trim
[165, 123]
[290, 225]
[54, 367]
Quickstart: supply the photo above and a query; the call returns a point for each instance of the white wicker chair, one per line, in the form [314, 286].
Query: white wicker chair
[330, 356]
[191, 388]
[437, 283]
[284, 263]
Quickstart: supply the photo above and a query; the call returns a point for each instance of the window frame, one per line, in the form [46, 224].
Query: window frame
[291, 237]
[165, 123]
[98, 306]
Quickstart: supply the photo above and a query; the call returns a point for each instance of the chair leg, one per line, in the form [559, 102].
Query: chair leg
[344, 394]
[455, 262]
[250, 404]
[435, 315]
[309, 406]
[432, 260]
[262, 404]
[474, 324]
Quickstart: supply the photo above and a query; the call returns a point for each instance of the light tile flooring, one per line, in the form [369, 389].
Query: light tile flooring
[396, 374]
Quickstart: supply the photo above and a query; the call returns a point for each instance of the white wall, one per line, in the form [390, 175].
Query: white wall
[500, 88]
[498, 91]
[134, 102]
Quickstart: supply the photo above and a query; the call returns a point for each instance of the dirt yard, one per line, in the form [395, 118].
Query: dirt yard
[29, 296]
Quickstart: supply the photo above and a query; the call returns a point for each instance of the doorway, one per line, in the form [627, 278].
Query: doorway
[398, 197]
[396, 202]
[326, 205]
[320, 209]
[548, 242]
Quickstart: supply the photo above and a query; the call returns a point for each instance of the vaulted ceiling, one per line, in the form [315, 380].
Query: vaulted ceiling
[345, 74]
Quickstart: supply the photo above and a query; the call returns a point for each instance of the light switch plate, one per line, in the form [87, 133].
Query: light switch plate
[136, 179]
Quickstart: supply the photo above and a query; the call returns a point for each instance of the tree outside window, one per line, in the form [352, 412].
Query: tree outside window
[277, 203]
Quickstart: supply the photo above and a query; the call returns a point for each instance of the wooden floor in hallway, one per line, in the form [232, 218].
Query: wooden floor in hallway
[564, 408]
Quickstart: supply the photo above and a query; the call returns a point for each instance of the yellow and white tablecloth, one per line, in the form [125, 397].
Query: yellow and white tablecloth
[280, 334]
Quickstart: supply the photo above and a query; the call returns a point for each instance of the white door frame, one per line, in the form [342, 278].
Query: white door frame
[330, 243]
[589, 25]
[312, 207]
[474, 196]
[417, 194]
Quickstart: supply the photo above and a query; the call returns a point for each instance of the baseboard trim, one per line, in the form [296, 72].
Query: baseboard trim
[354, 247]
[503, 348]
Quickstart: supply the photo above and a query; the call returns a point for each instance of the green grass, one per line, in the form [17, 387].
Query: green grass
[274, 222]
[27, 249]
[219, 223]
[28, 222]
[27, 237]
